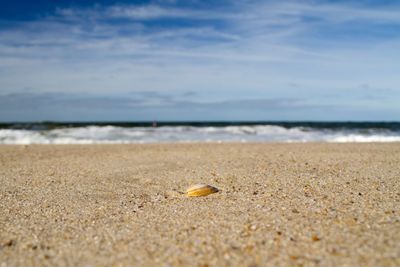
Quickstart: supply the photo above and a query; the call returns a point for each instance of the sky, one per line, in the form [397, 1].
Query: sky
[199, 60]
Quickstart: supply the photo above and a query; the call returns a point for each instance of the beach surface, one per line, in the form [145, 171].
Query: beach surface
[123, 205]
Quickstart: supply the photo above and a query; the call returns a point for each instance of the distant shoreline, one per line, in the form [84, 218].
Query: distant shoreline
[286, 124]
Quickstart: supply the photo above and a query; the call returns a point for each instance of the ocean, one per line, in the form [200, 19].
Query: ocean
[221, 131]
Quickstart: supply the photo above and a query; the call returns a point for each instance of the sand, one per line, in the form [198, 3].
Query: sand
[278, 205]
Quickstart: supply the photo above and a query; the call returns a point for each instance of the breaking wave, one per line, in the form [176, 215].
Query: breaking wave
[94, 134]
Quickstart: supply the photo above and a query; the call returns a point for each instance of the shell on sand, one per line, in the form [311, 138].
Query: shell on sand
[199, 190]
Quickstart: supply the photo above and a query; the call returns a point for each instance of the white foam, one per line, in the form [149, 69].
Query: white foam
[364, 139]
[259, 133]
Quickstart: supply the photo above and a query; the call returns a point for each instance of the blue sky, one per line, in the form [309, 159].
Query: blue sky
[199, 60]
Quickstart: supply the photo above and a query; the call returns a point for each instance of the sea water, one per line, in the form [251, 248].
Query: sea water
[161, 132]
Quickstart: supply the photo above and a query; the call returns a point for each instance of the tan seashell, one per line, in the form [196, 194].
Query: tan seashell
[199, 190]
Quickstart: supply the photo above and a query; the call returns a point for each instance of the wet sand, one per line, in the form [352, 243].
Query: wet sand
[278, 205]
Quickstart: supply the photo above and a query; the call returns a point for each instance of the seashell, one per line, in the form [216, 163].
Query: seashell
[199, 190]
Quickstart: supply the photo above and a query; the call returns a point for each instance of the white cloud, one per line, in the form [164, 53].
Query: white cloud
[147, 12]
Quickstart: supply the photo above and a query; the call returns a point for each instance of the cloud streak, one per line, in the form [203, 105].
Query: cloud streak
[149, 105]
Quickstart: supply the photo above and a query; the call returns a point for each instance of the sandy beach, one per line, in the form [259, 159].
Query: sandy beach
[278, 205]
